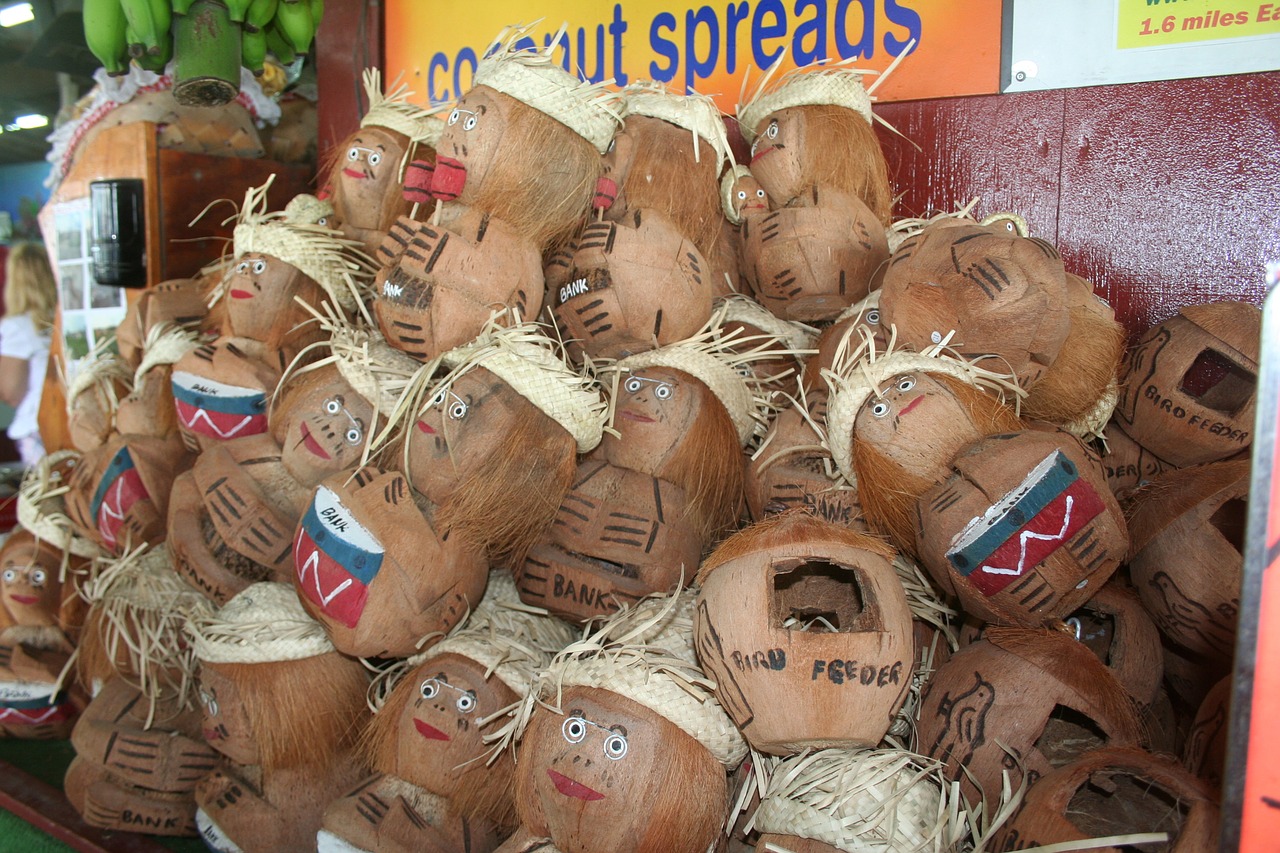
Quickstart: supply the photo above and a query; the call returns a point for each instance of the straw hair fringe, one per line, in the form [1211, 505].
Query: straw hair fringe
[395, 111]
[302, 713]
[164, 344]
[42, 508]
[694, 112]
[858, 371]
[645, 653]
[1075, 387]
[532, 76]
[835, 83]
[103, 371]
[885, 800]
[138, 610]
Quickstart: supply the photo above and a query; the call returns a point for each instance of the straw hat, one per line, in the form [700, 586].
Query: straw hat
[320, 253]
[693, 112]
[263, 623]
[510, 639]
[721, 361]
[836, 84]
[646, 654]
[42, 510]
[393, 111]
[739, 308]
[165, 344]
[859, 371]
[882, 800]
[306, 209]
[534, 78]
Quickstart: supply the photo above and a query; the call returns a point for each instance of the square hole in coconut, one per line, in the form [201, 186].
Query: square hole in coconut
[1216, 382]
[1112, 803]
[1229, 520]
[820, 596]
[1067, 735]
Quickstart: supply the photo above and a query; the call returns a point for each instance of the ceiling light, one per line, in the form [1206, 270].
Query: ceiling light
[30, 122]
[18, 13]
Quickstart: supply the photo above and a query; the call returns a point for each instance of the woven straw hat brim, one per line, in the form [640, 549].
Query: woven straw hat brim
[535, 79]
[373, 368]
[306, 209]
[263, 623]
[726, 383]
[100, 369]
[394, 111]
[527, 360]
[1093, 422]
[316, 252]
[42, 509]
[887, 801]
[840, 87]
[744, 309]
[695, 113]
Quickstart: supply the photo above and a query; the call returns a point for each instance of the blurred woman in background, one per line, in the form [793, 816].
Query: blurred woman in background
[30, 299]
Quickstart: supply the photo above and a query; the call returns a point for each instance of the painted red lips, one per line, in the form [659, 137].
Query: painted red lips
[237, 293]
[352, 173]
[917, 401]
[636, 416]
[429, 731]
[26, 599]
[311, 443]
[571, 788]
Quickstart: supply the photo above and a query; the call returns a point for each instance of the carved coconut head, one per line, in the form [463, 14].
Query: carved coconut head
[471, 142]
[91, 412]
[777, 153]
[260, 289]
[29, 585]
[367, 170]
[226, 726]
[440, 728]
[655, 409]
[748, 197]
[903, 420]
[322, 426]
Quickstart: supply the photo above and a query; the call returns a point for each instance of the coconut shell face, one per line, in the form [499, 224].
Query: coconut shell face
[368, 169]
[451, 278]
[791, 472]
[915, 422]
[634, 285]
[325, 428]
[654, 410]
[1189, 387]
[471, 143]
[748, 197]
[370, 568]
[1188, 557]
[1112, 792]
[440, 737]
[226, 725]
[778, 152]
[610, 774]
[29, 586]
[1043, 695]
[825, 625]
[1002, 294]
[260, 293]
[1024, 530]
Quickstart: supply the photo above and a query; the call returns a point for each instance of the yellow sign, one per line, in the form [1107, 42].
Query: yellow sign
[436, 44]
[1155, 23]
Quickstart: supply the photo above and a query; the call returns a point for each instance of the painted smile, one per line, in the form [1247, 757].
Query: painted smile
[311, 443]
[570, 788]
[761, 153]
[426, 427]
[352, 173]
[26, 599]
[241, 294]
[636, 416]
[429, 731]
[917, 401]
[211, 734]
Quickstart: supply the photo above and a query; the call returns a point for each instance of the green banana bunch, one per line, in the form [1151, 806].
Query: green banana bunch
[279, 45]
[104, 26]
[150, 21]
[253, 49]
[237, 8]
[159, 61]
[296, 24]
[259, 14]
[180, 7]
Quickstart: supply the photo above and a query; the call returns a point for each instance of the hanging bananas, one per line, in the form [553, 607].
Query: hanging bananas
[117, 30]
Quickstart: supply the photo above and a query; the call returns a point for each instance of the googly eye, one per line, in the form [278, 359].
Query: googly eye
[10, 575]
[259, 267]
[470, 123]
[454, 116]
[332, 406]
[574, 729]
[38, 577]
[633, 384]
[663, 391]
[1010, 227]
[613, 146]
[759, 193]
[353, 436]
[615, 746]
[353, 154]
[323, 221]
[457, 410]
[243, 266]
[210, 705]
[430, 688]
[880, 408]
[466, 703]
[742, 195]
[437, 399]
[873, 317]
[744, 370]
[374, 158]
[906, 383]
[772, 132]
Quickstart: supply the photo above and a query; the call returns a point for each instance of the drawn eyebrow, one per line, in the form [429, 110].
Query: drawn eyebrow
[383, 147]
[482, 109]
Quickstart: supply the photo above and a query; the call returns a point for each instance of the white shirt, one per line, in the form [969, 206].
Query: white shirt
[19, 339]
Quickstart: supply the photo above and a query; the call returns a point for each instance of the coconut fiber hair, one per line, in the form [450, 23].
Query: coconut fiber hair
[544, 182]
[842, 151]
[305, 712]
[707, 465]
[888, 493]
[1085, 366]
[665, 175]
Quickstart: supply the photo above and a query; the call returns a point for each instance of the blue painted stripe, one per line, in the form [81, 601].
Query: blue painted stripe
[120, 463]
[250, 404]
[359, 563]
